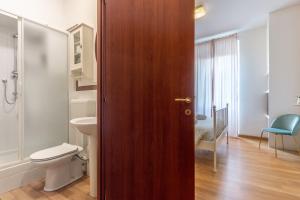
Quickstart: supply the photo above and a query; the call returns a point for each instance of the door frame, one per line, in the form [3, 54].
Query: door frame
[100, 97]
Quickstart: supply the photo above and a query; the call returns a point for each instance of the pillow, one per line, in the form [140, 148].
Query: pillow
[201, 117]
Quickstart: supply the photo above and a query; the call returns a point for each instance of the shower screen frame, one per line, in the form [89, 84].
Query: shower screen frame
[20, 103]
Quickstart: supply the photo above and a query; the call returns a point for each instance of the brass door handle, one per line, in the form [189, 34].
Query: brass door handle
[184, 100]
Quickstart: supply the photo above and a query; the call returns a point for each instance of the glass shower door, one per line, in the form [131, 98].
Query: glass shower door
[9, 133]
[46, 100]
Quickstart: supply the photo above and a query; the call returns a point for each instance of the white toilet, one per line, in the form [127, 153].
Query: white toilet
[63, 166]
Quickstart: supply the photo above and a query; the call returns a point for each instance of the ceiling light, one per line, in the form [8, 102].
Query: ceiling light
[200, 12]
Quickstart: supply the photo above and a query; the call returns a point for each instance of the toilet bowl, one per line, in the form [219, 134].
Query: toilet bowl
[62, 164]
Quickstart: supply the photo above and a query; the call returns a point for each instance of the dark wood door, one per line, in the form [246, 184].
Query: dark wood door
[147, 62]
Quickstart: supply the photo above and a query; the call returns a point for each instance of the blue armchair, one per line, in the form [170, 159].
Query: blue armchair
[285, 125]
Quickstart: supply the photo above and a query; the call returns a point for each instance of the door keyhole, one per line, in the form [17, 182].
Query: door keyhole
[187, 112]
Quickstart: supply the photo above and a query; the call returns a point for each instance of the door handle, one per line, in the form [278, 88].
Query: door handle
[187, 100]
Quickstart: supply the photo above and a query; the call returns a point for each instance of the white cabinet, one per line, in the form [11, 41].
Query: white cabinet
[82, 52]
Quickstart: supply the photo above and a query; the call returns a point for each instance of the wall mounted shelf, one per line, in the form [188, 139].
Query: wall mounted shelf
[81, 49]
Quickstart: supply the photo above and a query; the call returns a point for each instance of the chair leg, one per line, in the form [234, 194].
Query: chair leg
[297, 144]
[282, 142]
[275, 145]
[227, 138]
[261, 135]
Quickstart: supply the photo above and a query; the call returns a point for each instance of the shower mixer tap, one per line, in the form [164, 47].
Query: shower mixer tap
[14, 74]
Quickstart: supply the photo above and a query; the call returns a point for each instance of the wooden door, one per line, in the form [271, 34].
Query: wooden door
[147, 61]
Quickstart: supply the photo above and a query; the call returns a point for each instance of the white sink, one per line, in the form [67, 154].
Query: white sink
[88, 126]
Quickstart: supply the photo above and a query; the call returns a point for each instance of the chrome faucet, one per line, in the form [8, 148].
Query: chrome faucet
[14, 74]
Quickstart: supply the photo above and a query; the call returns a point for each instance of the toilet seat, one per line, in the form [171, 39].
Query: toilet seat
[55, 152]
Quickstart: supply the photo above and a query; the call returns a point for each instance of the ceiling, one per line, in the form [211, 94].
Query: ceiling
[229, 15]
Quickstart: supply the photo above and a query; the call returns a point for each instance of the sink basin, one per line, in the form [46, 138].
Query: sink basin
[86, 125]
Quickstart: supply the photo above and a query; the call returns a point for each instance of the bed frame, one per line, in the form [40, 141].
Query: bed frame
[220, 129]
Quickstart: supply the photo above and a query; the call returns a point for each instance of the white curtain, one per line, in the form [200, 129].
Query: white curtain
[203, 73]
[226, 74]
[217, 74]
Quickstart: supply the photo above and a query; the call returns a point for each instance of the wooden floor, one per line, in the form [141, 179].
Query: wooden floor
[244, 173]
[247, 173]
[76, 191]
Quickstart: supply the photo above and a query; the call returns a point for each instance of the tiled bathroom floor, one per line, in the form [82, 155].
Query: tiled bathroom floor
[76, 191]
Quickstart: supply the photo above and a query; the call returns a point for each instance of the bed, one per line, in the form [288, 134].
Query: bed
[209, 133]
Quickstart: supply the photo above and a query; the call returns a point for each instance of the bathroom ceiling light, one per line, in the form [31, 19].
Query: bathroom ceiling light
[200, 12]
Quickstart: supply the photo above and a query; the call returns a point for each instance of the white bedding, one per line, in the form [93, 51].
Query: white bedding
[204, 130]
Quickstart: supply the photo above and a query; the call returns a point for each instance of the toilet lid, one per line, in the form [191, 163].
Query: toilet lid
[55, 152]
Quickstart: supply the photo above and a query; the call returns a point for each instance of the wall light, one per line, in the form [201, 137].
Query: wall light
[200, 12]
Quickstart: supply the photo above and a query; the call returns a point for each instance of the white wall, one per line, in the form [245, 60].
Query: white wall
[284, 34]
[77, 12]
[47, 12]
[60, 14]
[50, 12]
[253, 81]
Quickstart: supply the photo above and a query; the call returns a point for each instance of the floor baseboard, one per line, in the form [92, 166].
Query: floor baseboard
[252, 137]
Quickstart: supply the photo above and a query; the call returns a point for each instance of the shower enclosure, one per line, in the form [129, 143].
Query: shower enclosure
[34, 101]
